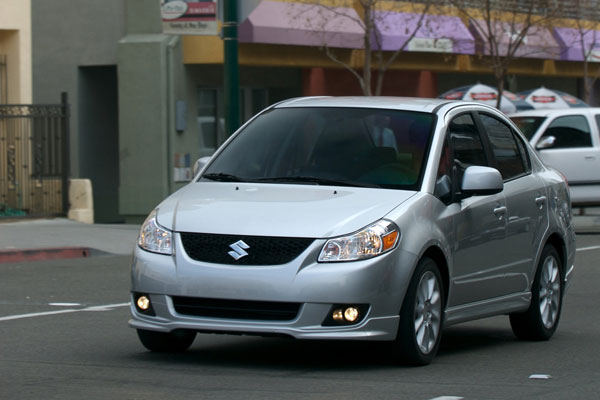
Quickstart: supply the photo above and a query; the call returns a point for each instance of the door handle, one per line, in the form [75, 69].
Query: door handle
[589, 158]
[540, 201]
[500, 212]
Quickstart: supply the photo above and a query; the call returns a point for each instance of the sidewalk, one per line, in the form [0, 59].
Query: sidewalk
[63, 238]
[31, 240]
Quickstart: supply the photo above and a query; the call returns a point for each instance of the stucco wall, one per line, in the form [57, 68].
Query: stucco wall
[66, 35]
[15, 42]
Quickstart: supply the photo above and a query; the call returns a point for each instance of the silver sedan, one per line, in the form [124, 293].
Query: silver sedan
[358, 218]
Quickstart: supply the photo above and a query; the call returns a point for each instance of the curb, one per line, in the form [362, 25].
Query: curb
[56, 253]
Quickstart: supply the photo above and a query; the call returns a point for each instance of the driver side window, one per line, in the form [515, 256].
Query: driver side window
[462, 148]
[466, 142]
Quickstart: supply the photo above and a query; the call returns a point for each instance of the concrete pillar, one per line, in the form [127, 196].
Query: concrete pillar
[81, 203]
[143, 110]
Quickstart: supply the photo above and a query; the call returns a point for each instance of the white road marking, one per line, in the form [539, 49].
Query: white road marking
[107, 307]
[588, 248]
[64, 304]
[540, 376]
[448, 398]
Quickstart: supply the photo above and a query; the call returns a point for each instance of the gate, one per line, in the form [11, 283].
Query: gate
[34, 159]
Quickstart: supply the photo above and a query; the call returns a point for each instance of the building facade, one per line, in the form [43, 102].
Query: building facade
[146, 104]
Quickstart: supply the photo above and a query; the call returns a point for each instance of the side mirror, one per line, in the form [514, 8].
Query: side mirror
[546, 142]
[199, 164]
[481, 181]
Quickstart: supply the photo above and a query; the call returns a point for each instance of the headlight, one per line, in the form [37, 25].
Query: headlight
[154, 237]
[372, 241]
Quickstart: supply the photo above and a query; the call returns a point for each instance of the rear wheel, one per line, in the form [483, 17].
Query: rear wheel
[421, 315]
[167, 342]
[541, 319]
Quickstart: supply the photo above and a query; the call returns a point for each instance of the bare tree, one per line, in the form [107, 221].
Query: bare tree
[371, 18]
[505, 25]
[587, 37]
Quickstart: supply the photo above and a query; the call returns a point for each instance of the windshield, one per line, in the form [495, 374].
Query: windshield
[528, 125]
[328, 146]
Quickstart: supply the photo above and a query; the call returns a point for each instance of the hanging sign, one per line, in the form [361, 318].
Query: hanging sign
[189, 17]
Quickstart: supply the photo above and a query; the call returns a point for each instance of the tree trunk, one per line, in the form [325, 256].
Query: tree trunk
[368, 51]
[500, 74]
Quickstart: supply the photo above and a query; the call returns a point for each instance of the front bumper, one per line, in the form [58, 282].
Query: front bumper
[379, 283]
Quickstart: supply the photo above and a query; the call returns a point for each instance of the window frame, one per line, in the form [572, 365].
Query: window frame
[521, 146]
[455, 195]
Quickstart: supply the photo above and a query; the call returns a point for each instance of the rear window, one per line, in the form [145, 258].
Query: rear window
[353, 146]
[528, 125]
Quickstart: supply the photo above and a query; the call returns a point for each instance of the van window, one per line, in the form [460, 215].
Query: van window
[528, 125]
[570, 131]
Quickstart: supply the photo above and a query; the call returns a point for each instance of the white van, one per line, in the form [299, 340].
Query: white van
[568, 140]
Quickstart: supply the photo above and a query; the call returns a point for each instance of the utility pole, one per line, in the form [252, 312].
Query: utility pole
[231, 70]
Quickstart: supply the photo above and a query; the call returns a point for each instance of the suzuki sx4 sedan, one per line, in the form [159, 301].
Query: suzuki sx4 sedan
[361, 218]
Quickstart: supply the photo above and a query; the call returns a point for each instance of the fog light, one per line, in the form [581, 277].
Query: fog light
[351, 314]
[143, 303]
[338, 315]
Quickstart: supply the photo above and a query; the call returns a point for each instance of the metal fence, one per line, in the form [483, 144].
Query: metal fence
[34, 159]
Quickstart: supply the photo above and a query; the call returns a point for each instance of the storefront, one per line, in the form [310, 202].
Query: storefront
[170, 86]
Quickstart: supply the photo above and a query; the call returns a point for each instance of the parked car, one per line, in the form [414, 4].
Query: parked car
[306, 223]
[568, 140]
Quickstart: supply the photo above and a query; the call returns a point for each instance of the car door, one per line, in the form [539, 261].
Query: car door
[479, 222]
[526, 202]
[574, 151]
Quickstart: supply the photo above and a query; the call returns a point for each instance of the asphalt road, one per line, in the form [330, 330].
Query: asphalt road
[64, 335]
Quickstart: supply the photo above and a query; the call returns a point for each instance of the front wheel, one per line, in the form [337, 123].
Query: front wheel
[167, 342]
[421, 316]
[541, 319]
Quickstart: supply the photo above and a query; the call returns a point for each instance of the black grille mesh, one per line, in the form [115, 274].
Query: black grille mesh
[236, 309]
[262, 250]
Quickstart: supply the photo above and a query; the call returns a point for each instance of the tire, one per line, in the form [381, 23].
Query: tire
[167, 342]
[421, 316]
[539, 322]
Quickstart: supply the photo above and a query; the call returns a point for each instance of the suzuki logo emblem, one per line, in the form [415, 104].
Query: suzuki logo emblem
[238, 249]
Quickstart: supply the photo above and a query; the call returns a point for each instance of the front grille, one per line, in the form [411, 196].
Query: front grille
[236, 309]
[261, 250]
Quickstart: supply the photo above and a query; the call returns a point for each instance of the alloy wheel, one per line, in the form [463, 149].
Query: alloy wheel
[549, 299]
[428, 312]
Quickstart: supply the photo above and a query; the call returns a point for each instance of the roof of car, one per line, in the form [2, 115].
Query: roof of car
[545, 112]
[395, 103]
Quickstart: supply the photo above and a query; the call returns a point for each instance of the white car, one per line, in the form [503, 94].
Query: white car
[568, 140]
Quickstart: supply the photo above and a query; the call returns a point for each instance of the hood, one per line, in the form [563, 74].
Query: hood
[276, 209]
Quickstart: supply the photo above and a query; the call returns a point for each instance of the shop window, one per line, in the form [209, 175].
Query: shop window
[211, 113]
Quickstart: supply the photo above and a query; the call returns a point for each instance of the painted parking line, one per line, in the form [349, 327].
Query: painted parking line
[588, 248]
[106, 307]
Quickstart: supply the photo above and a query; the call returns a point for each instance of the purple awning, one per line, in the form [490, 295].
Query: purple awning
[436, 33]
[538, 43]
[569, 40]
[301, 24]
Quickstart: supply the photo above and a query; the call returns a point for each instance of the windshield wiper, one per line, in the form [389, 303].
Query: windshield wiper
[315, 180]
[221, 177]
